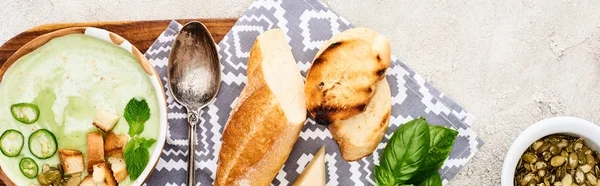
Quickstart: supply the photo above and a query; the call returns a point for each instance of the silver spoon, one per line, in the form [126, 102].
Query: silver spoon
[194, 74]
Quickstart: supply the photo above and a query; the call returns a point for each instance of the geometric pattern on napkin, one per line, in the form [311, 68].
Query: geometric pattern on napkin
[307, 24]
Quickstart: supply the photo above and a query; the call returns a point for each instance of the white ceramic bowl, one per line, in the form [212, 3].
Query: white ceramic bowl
[558, 125]
[126, 45]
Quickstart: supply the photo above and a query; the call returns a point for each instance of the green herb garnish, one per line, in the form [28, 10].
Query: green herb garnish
[137, 156]
[414, 153]
[433, 180]
[136, 153]
[137, 113]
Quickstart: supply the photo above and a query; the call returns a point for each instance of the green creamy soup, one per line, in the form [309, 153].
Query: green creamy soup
[69, 79]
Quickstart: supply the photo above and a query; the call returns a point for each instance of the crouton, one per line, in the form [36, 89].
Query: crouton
[105, 120]
[95, 150]
[71, 161]
[117, 153]
[114, 144]
[118, 167]
[103, 175]
[87, 181]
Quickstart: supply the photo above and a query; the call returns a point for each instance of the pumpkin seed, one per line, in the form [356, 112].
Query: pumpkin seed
[559, 160]
[591, 178]
[537, 145]
[544, 147]
[573, 160]
[529, 158]
[585, 168]
[582, 159]
[590, 159]
[567, 180]
[579, 177]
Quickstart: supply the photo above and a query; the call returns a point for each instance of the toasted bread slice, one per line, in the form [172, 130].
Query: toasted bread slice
[95, 150]
[105, 120]
[71, 161]
[114, 144]
[267, 118]
[87, 181]
[342, 78]
[103, 175]
[359, 135]
[118, 167]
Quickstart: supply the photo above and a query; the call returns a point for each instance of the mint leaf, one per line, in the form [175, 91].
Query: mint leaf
[146, 143]
[441, 141]
[406, 150]
[383, 177]
[433, 180]
[137, 113]
[136, 156]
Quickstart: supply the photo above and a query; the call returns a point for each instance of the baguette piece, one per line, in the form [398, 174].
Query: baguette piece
[359, 135]
[95, 150]
[267, 118]
[71, 161]
[342, 78]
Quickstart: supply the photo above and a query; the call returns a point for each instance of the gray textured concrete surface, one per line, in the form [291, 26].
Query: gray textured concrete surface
[510, 63]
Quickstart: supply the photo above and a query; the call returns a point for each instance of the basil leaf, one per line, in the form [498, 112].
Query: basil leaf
[433, 180]
[441, 141]
[406, 150]
[384, 177]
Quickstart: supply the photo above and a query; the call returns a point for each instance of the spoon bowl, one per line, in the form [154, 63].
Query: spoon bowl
[194, 77]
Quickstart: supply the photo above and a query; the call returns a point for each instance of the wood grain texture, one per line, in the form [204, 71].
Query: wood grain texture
[140, 33]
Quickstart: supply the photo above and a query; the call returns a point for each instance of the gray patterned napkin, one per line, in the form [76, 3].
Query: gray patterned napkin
[307, 25]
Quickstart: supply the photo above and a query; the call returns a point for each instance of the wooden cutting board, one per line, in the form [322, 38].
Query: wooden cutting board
[140, 33]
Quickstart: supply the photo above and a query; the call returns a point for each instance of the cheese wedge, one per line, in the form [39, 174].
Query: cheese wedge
[314, 172]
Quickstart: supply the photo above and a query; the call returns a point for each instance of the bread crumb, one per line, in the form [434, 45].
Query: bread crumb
[64, 58]
[81, 91]
[68, 76]
[101, 78]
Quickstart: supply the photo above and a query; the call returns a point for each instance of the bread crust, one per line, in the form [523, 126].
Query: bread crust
[342, 79]
[367, 128]
[258, 137]
[95, 150]
[71, 161]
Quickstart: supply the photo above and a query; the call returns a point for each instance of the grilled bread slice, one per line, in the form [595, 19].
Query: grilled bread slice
[359, 135]
[342, 78]
[267, 118]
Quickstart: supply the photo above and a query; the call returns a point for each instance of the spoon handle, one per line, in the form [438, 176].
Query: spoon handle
[192, 120]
